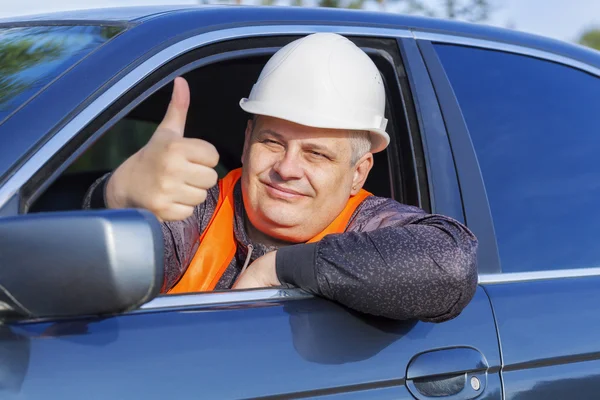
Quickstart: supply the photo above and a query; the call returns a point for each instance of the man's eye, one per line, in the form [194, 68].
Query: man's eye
[269, 141]
[318, 155]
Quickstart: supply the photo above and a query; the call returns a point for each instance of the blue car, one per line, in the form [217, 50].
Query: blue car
[495, 128]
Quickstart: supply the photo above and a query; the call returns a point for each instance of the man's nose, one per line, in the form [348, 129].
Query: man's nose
[289, 166]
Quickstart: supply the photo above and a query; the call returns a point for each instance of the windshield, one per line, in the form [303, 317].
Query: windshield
[31, 57]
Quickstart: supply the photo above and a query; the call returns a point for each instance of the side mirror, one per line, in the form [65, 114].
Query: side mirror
[79, 263]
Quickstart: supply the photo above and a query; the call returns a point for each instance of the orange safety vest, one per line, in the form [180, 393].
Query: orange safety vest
[218, 246]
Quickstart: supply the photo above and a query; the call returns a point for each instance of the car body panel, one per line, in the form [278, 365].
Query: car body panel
[307, 346]
[549, 333]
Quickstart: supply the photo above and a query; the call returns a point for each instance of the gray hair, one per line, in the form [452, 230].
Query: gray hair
[361, 144]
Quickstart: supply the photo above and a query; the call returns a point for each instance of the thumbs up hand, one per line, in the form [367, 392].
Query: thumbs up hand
[171, 174]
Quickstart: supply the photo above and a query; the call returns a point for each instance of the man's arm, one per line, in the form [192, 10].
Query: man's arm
[395, 261]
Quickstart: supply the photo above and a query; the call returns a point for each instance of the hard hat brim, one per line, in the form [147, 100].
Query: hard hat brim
[379, 137]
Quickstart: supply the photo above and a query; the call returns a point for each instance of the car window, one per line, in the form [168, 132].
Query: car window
[125, 138]
[122, 140]
[31, 57]
[535, 129]
[214, 116]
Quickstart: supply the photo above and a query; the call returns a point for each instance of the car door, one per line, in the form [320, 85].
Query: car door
[268, 343]
[532, 117]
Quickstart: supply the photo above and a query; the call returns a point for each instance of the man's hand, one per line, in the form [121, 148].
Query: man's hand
[261, 273]
[171, 174]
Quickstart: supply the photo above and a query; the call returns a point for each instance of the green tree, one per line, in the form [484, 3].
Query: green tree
[591, 38]
[354, 4]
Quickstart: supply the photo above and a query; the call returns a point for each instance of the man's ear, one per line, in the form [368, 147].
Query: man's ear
[361, 172]
[247, 136]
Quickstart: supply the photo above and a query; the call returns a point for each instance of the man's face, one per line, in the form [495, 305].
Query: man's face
[297, 179]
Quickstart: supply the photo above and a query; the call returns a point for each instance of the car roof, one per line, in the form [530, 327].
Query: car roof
[269, 14]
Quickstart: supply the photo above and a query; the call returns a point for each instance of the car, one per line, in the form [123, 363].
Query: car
[495, 128]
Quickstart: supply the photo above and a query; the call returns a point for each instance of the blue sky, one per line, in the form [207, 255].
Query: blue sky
[560, 19]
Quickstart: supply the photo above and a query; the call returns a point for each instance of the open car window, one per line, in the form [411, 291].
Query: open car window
[121, 141]
[215, 116]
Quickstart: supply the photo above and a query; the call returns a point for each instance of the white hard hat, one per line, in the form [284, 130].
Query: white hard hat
[325, 81]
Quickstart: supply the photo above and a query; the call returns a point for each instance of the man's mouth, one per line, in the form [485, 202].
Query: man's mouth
[282, 192]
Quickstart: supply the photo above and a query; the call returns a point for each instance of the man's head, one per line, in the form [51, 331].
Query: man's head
[297, 179]
[319, 115]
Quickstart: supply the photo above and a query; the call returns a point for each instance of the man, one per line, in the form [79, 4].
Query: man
[296, 213]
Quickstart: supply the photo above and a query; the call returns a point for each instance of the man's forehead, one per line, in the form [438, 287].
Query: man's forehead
[291, 131]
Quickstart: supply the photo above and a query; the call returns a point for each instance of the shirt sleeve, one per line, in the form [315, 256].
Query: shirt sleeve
[394, 261]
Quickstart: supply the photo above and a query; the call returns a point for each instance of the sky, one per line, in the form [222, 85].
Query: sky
[560, 19]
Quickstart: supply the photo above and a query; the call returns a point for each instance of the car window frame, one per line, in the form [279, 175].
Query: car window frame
[477, 208]
[441, 173]
[400, 176]
[131, 80]
[13, 185]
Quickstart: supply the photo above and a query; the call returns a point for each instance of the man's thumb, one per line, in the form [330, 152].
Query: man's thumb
[175, 117]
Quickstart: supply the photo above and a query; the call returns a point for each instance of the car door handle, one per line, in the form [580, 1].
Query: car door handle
[449, 374]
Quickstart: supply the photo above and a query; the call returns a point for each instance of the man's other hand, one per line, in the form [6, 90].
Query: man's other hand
[261, 273]
[171, 174]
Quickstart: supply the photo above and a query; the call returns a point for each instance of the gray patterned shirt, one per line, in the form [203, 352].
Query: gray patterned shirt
[393, 260]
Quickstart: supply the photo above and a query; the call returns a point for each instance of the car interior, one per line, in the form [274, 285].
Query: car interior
[214, 115]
